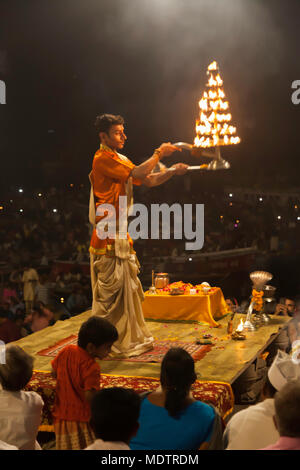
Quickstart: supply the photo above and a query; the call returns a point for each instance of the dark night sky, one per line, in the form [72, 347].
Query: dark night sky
[65, 61]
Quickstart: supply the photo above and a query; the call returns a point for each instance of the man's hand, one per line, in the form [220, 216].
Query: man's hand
[281, 309]
[180, 168]
[167, 149]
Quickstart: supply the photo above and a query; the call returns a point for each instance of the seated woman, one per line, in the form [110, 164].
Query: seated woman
[170, 418]
[20, 411]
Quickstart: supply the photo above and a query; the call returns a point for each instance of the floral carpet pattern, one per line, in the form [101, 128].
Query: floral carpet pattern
[218, 394]
[154, 355]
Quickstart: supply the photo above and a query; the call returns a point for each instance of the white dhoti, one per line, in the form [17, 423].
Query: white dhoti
[117, 297]
[117, 290]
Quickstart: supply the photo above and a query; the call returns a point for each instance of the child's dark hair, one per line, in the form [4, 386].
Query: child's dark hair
[114, 414]
[176, 376]
[98, 331]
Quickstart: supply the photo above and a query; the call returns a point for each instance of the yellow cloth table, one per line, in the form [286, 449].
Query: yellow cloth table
[205, 308]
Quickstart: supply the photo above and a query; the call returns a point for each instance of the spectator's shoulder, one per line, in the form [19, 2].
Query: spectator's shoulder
[32, 398]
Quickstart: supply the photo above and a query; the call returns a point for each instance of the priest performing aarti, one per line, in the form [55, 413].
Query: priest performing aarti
[117, 291]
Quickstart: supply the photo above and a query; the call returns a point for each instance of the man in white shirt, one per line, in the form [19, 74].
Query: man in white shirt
[253, 428]
[20, 411]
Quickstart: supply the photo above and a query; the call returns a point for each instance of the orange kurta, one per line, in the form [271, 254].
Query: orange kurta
[76, 373]
[109, 176]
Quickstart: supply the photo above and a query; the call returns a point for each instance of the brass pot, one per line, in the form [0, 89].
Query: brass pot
[269, 293]
[161, 280]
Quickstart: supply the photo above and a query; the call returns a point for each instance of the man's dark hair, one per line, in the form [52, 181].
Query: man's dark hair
[104, 122]
[287, 409]
[114, 414]
[98, 331]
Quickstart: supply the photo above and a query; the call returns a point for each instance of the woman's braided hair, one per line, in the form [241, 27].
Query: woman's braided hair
[176, 377]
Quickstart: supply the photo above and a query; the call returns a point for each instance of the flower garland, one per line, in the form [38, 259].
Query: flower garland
[257, 298]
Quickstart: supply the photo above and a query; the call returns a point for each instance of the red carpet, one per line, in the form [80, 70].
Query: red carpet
[155, 355]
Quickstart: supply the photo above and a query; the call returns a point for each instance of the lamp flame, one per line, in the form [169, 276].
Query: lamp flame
[212, 129]
[212, 66]
[240, 326]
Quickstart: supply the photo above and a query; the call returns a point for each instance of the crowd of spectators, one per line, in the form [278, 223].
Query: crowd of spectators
[116, 418]
[39, 227]
[54, 224]
[55, 297]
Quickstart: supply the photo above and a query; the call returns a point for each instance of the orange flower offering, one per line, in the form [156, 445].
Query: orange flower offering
[257, 297]
[181, 287]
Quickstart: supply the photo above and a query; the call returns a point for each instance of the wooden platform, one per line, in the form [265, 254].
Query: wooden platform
[225, 362]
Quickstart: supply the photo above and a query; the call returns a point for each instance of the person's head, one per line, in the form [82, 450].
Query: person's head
[39, 308]
[283, 370]
[111, 130]
[290, 306]
[96, 336]
[17, 370]
[287, 410]
[232, 303]
[176, 376]
[114, 414]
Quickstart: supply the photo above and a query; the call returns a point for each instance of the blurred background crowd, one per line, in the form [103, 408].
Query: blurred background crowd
[46, 231]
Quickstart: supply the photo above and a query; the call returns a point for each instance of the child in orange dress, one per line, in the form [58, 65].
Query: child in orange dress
[78, 379]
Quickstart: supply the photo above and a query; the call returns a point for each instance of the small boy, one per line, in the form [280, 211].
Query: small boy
[115, 413]
[78, 379]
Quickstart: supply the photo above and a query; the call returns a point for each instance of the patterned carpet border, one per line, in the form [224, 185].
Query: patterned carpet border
[217, 393]
[53, 350]
[155, 355]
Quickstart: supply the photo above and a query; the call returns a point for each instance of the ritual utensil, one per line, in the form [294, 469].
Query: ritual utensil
[238, 334]
[269, 293]
[217, 163]
[161, 280]
[259, 280]
[269, 296]
[152, 289]
[230, 324]
[213, 127]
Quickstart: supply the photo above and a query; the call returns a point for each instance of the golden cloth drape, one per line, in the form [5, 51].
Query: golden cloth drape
[205, 308]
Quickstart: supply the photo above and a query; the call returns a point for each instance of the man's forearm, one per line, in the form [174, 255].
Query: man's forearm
[155, 179]
[144, 169]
